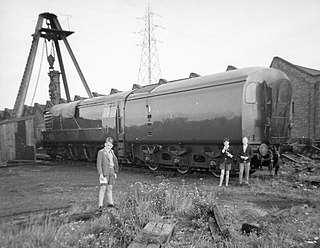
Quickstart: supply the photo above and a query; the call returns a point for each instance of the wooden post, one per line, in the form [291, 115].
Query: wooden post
[154, 235]
[220, 222]
[212, 224]
[217, 224]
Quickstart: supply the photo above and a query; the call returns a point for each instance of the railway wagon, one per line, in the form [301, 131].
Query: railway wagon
[180, 123]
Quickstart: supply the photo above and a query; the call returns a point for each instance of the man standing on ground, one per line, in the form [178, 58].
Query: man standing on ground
[245, 155]
[108, 167]
[226, 161]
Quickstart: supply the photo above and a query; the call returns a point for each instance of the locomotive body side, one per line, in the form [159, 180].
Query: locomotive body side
[204, 114]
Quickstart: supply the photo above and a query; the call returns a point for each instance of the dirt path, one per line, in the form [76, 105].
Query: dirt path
[38, 188]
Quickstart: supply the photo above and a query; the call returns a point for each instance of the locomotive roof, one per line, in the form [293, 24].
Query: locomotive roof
[67, 110]
[208, 80]
[227, 77]
[233, 76]
[101, 99]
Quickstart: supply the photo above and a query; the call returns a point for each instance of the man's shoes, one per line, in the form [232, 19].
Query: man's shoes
[111, 205]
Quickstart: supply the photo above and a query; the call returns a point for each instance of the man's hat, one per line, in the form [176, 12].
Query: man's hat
[263, 149]
[109, 140]
[226, 139]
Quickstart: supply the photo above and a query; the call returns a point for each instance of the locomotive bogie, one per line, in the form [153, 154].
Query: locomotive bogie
[182, 157]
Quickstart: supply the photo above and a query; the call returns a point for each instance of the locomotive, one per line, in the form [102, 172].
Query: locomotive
[178, 124]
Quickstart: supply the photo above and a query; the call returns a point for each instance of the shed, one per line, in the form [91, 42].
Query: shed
[17, 139]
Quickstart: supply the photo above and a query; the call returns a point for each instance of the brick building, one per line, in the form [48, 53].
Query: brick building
[305, 98]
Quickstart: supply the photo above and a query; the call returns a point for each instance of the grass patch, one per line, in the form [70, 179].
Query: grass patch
[38, 232]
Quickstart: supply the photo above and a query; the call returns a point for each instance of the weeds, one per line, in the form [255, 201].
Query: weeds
[36, 233]
[186, 205]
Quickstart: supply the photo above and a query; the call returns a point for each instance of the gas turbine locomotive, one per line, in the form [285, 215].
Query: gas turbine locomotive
[178, 124]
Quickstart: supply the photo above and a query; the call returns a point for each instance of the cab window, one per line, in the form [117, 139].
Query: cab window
[92, 112]
[109, 111]
[250, 96]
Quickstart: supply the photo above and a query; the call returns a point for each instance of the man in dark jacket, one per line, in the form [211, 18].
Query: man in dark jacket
[226, 161]
[266, 157]
[108, 167]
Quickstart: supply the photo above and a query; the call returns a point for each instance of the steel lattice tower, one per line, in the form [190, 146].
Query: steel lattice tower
[149, 69]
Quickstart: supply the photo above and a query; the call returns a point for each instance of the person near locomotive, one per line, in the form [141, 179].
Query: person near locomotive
[276, 160]
[245, 155]
[108, 168]
[266, 157]
[269, 157]
[226, 161]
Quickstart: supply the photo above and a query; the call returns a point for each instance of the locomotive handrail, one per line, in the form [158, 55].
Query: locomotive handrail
[280, 117]
[76, 130]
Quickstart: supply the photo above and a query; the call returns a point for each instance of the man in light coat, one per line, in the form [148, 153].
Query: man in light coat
[108, 168]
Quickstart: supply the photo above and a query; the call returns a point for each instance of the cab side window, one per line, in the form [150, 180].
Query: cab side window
[109, 111]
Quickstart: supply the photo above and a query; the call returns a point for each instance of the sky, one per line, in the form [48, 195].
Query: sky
[202, 36]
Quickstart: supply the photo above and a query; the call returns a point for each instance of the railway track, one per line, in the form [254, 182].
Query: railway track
[43, 159]
[167, 171]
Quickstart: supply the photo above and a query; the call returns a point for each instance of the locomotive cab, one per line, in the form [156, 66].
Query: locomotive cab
[266, 107]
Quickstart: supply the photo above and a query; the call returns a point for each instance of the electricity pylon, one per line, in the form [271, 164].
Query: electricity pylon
[149, 69]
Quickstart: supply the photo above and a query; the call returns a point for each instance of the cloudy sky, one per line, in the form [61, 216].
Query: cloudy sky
[202, 36]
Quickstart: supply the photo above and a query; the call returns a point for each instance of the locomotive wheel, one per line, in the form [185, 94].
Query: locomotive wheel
[90, 153]
[74, 153]
[52, 153]
[183, 169]
[153, 167]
